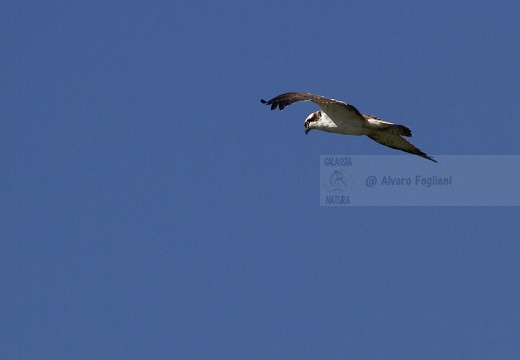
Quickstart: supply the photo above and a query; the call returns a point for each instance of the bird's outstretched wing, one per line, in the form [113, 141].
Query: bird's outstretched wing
[281, 101]
[397, 142]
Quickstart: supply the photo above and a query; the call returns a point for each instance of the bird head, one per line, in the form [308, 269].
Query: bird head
[311, 120]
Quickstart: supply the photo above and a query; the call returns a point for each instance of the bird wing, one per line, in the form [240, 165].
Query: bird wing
[397, 142]
[326, 104]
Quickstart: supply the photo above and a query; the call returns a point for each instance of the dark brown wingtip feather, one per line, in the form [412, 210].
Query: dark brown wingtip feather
[423, 155]
[270, 102]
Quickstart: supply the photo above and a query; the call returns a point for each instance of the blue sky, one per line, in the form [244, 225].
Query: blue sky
[152, 208]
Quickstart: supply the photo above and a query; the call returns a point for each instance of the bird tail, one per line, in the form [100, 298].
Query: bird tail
[387, 127]
[398, 130]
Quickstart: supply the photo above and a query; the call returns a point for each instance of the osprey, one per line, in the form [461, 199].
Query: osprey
[342, 118]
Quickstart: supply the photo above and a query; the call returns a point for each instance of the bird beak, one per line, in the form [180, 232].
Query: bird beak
[307, 128]
[306, 131]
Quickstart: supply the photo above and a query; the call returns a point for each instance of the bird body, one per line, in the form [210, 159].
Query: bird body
[341, 118]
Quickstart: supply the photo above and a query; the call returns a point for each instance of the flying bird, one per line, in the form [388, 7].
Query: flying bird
[341, 118]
